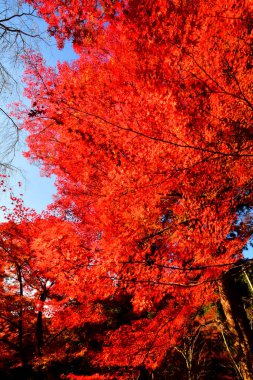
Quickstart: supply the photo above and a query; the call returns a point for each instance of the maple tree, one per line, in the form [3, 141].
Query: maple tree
[36, 264]
[149, 135]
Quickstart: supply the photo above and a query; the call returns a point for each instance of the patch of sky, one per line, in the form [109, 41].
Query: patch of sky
[37, 190]
[245, 218]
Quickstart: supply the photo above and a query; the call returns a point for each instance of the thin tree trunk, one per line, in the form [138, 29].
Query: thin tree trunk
[188, 356]
[39, 324]
[20, 320]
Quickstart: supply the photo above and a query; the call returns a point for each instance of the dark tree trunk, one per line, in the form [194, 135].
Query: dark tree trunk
[39, 325]
[22, 353]
[237, 323]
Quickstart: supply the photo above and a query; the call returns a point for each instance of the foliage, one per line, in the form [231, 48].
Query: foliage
[149, 135]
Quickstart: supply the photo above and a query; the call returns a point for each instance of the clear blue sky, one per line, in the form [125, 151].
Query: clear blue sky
[37, 191]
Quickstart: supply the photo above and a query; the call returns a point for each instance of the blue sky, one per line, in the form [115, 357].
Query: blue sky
[37, 191]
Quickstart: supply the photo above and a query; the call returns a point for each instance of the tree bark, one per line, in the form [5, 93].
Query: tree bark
[237, 323]
[39, 325]
[20, 320]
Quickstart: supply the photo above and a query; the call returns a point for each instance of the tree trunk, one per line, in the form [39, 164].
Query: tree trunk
[39, 325]
[238, 324]
[20, 320]
[39, 333]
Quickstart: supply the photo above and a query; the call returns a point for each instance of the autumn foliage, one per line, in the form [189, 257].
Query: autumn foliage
[149, 134]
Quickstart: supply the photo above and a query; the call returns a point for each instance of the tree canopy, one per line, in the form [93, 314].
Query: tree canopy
[149, 134]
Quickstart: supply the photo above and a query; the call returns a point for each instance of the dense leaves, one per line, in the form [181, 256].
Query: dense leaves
[149, 135]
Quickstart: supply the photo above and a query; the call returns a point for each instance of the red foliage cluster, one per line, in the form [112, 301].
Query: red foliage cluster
[149, 134]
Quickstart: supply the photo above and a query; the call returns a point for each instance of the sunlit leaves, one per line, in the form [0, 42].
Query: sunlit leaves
[149, 135]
